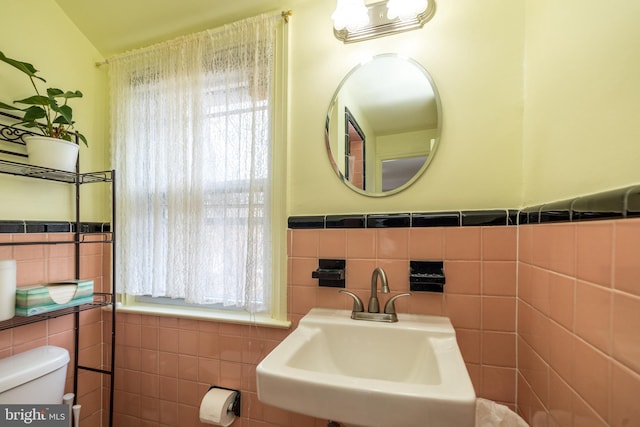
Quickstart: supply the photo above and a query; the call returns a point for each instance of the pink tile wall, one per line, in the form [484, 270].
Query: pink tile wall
[479, 297]
[579, 323]
[47, 263]
[567, 346]
[166, 365]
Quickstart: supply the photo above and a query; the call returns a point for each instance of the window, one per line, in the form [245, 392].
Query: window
[193, 122]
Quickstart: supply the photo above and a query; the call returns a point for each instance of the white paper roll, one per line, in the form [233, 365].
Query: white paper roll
[215, 407]
[7, 289]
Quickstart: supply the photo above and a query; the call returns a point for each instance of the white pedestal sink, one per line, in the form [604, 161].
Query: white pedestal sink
[371, 374]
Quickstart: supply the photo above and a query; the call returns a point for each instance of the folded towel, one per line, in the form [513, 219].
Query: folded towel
[492, 414]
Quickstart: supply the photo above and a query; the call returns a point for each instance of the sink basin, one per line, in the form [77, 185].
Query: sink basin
[371, 374]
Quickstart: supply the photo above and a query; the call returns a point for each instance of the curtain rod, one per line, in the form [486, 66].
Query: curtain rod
[285, 14]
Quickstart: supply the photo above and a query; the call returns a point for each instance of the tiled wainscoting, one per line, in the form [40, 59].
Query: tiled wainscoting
[50, 263]
[579, 323]
[555, 301]
[165, 365]
[547, 315]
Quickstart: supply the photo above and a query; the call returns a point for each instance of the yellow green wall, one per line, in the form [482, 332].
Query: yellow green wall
[539, 103]
[582, 98]
[37, 31]
[474, 52]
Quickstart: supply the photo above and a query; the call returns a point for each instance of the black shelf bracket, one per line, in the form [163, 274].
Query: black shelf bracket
[426, 276]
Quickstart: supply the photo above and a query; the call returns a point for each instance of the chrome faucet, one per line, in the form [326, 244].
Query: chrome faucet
[374, 305]
[373, 310]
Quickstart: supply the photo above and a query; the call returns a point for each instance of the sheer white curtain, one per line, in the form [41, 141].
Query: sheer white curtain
[191, 144]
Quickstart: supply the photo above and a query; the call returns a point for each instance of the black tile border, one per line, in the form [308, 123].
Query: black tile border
[613, 204]
[609, 205]
[13, 227]
[485, 218]
[345, 221]
[435, 219]
[93, 227]
[19, 227]
[632, 201]
[416, 220]
[48, 227]
[388, 220]
[305, 222]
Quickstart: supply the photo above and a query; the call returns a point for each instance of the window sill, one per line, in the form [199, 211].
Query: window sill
[206, 314]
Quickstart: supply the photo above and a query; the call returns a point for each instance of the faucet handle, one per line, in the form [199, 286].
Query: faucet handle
[390, 306]
[357, 302]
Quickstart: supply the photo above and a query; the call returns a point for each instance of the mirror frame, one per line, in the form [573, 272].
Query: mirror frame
[433, 151]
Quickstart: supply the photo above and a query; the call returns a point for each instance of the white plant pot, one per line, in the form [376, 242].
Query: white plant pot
[52, 152]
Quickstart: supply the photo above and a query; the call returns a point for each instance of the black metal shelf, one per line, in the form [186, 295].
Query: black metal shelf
[31, 171]
[12, 144]
[100, 300]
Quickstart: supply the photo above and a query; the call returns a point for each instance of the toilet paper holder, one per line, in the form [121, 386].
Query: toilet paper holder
[237, 402]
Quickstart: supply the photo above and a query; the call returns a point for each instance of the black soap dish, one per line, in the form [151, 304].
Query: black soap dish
[330, 272]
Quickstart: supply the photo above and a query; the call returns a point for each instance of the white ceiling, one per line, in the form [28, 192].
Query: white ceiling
[394, 95]
[114, 26]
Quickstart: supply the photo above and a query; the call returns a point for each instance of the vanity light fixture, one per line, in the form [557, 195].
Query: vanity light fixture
[356, 21]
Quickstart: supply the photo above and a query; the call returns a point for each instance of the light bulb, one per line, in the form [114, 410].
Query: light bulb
[405, 9]
[350, 14]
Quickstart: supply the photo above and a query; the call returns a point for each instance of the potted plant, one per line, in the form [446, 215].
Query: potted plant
[51, 115]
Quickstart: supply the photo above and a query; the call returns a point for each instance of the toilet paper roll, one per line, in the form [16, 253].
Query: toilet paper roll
[7, 289]
[215, 407]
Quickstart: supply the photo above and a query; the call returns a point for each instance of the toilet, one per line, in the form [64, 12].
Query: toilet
[35, 376]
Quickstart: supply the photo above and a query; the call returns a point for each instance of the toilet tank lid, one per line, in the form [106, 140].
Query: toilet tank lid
[31, 364]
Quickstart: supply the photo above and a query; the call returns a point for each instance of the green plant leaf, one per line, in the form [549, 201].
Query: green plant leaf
[25, 67]
[35, 100]
[66, 114]
[60, 120]
[57, 93]
[83, 139]
[53, 92]
[8, 107]
[33, 113]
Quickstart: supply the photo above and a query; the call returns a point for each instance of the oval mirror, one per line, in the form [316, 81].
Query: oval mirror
[383, 125]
